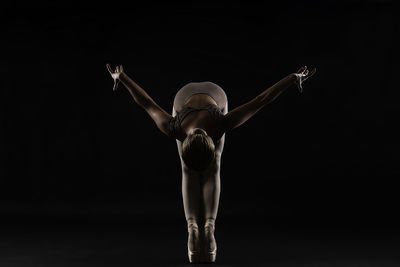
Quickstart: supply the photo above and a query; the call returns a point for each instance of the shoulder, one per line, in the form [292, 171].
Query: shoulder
[174, 128]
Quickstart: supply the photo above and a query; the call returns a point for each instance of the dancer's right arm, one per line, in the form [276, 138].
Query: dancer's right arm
[159, 115]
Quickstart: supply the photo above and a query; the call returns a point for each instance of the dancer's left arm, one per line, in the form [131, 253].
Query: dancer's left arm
[241, 114]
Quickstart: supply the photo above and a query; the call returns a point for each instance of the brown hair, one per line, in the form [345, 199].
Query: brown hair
[198, 151]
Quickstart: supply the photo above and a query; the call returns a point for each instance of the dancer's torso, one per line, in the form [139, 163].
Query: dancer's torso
[199, 105]
[201, 118]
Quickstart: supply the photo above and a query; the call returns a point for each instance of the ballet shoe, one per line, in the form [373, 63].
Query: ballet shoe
[210, 245]
[193, 242]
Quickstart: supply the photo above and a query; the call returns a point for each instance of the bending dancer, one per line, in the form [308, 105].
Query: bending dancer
[199, 121]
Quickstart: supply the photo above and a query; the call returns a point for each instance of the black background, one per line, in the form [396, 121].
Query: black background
[70, 147]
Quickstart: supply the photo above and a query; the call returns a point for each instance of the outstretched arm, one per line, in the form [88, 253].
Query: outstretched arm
[159, 115]
[241, 114]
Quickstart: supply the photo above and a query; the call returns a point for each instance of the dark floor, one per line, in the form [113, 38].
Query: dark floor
[66, 241]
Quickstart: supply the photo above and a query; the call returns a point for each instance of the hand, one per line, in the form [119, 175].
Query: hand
[302, 75]
[115, 74]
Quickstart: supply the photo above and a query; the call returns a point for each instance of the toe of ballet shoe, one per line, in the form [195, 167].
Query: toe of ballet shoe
[194, 256]
[209, 256]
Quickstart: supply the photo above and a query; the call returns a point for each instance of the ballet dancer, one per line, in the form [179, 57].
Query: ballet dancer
[198, 123]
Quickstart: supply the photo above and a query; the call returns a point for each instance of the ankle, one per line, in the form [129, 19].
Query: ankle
[209, 224]
[192, 224]
[209, 221]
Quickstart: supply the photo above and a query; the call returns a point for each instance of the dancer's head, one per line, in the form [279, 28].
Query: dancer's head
[198, 150]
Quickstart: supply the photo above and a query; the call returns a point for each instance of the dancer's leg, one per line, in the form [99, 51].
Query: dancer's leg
[211, 189]
[191, 193]
[211, 183]
[211, 186]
